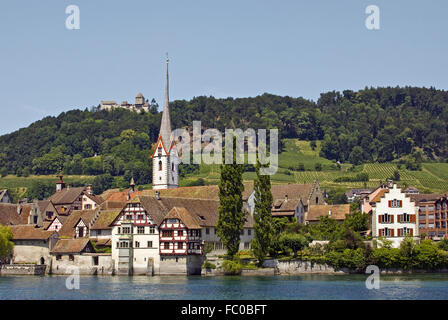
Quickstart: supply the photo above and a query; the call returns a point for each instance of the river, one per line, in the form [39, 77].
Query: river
[314, 287]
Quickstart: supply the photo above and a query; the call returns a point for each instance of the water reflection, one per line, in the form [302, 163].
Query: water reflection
[315, 287]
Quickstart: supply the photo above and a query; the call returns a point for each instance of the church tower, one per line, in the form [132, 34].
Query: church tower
[165, 159]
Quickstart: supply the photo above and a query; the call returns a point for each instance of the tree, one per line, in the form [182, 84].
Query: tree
[357, 221]
[294, 241]
[6, 244]
[102, 182]
[264, 229]
[356, 156]
[40, 190]
[231, 216]
[318, 166]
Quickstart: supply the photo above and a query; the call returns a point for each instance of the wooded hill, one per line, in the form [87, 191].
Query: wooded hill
[371, 125]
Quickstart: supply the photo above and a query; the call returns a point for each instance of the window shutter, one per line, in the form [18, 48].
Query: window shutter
[379, 218]
[412, 218]
[411, 232]
[399, 218]
[391, 232]
[380, 232]
[392, 219]
[401, 203]
[390, 203]
[398, 232]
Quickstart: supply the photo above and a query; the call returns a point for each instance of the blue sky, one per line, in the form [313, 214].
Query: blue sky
[219, 48]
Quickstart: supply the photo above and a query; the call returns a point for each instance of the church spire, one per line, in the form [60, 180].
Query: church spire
[165, 127]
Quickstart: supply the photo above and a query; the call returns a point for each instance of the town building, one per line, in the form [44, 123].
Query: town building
[78, 224]
[67, 199]
[136, 235]
[31, 244]
[165, 159]
[393, 215]
[432, 215]
[140, 105]
[79, 253]
[411, 190]
[355, 194]
[291, 200]
[14, 214]
[181, 248]
[337, 212]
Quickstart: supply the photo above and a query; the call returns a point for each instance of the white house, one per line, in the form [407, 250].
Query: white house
[393, 215]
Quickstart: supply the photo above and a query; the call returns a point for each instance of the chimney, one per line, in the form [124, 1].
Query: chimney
[128, 196]
[286, 198]
[89, 189]
[158, 195]
[329, 213]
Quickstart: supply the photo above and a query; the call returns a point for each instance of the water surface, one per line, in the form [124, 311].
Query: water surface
[313, 287]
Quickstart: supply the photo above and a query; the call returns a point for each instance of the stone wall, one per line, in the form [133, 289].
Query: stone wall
[181, 265]
[293, 267]
[23, 269]
[85, 263]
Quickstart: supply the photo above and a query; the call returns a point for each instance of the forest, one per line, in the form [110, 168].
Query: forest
[371, 125]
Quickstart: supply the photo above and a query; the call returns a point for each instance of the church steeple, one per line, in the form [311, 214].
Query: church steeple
[165, 126]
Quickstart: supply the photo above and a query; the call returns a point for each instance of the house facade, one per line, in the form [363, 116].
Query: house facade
[394, 215]
[432, 215]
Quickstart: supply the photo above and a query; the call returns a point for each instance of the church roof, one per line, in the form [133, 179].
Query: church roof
[165, 126]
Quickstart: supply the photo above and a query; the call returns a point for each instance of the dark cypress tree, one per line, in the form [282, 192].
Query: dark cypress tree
[231, 216]
[264, 229]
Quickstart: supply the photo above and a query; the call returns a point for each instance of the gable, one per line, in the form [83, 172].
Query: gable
[135, 212]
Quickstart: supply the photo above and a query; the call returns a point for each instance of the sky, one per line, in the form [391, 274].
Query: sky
[220, 48]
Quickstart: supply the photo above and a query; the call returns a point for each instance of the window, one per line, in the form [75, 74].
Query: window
[35, 219]
[430, 225]
[430, 216]
[95, 261]
[180, 245]
[149, 244]
[58, 257]
[405, 231]
[167, 233]
[172, 166]
[140, 229]
[98, 232]
[395, 203]
[160, 165]
[405, 217]
[88, 206]
[180, 233]
[141, 217]
[215, 230]
[118, 244]
[249, 232]
[422, 208]
[159, 151]
[166, 245]
[152, 229]
[126, 230]
[242, 232]
[207, 231]
[422, 216]
[246, 245]
[422, 225]
[71, 257]
[137, 244]
[385, 218]
[119, 230]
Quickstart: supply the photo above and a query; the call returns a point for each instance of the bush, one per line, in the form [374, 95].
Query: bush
[208, 265]
[232, 267]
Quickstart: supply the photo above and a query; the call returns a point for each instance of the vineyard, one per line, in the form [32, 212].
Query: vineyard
[432, 178]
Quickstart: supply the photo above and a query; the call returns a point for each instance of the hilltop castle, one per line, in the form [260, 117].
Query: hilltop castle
[140, 104]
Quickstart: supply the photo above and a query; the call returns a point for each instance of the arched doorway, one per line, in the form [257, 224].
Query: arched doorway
[42, 260]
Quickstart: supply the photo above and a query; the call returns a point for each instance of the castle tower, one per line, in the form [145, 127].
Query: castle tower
[165, 159]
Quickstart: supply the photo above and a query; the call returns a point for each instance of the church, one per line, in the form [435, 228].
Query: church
[165, 159]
